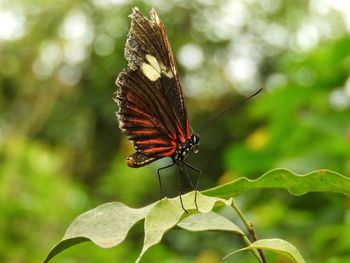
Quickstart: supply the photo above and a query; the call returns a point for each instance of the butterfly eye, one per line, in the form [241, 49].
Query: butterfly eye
[195, 148]
[195, 138]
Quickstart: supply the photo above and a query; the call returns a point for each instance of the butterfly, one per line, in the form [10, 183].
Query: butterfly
[152, 112]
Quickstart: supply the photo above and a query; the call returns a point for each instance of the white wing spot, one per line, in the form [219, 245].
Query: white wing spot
[153, 62]
[166, 72]
[150, 72]
[153, 70]
[169, 74]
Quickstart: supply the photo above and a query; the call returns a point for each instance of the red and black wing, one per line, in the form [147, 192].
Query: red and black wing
[151, 112]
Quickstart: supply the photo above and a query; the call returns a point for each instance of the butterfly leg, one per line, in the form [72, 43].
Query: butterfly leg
[179, 187]
[197, 183]
[195, 188]
[160, 180]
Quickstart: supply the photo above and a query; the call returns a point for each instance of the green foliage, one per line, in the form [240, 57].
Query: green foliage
[108, 224]
[276, 245]
[318, 181]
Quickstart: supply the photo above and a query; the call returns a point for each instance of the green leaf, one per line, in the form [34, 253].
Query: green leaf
[168, 212]
[276, 245]
[209, 221]
[296, 184]
[107, 225]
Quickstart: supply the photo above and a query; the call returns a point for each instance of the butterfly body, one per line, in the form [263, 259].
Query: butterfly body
[185, 148]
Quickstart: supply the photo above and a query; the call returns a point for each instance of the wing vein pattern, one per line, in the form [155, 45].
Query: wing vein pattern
[151, 112]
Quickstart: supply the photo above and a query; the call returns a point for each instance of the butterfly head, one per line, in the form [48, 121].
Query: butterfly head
[194, 142]
[191, 145]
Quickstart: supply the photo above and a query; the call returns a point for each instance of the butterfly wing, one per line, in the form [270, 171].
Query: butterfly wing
[151, 112]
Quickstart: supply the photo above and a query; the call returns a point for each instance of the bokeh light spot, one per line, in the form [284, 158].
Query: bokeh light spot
[11, 24]
[191, 56]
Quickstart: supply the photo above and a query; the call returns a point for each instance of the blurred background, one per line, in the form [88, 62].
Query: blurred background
[62, 153]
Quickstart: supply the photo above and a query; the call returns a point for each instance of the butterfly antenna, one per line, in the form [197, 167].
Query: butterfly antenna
[228, 109]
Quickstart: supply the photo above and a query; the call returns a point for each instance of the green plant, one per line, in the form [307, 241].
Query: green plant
[108, 224]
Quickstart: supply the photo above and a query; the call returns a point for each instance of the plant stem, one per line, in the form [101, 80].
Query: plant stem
[251, 230]
[255, 238]
[248, 243]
